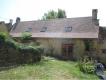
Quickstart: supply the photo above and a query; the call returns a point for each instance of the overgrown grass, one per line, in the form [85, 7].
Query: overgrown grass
[47, 69]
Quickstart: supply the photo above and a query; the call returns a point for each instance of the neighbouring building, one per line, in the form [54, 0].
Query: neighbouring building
[68, 38]
[9, 25]
[3, 27]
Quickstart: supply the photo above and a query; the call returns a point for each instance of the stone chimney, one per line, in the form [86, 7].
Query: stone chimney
[11, 21]
[15, 25]
[17, 19]
[94, 16]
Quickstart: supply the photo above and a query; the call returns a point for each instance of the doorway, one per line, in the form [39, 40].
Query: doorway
[67, 50]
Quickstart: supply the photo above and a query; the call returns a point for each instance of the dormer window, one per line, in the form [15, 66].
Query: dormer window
[44, 29]
[68, 29]
[29, 30]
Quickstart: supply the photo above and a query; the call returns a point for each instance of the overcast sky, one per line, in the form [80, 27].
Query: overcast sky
[34, 9]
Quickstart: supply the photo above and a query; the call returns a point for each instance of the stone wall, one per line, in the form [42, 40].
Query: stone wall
[53, 46]
[97, 51]
[10, 56]
[3, 27]
[79, 48]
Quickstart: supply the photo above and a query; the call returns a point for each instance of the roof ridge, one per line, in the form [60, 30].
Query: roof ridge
[57, 19]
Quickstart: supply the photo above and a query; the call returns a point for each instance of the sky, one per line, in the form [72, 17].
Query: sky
[34, 9]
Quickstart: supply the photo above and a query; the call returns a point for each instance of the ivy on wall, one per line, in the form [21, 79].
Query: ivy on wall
[19, 46]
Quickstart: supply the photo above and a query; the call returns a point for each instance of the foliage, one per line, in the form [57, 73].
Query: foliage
[23, 47]
[86, 65]
[3, 36]
[19, 46]
[26, 36]
[50, 15]
[11, 43]
[61, 14]
[53, 14]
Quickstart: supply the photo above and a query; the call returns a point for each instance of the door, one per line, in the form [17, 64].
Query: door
[67, 50]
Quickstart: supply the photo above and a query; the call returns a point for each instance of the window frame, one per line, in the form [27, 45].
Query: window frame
[68, 29]
[44, 29]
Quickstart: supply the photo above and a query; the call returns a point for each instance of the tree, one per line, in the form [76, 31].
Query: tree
[53, 14]
[61, 14]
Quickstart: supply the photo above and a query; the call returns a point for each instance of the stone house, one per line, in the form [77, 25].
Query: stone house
[68, 38]
[3, 27]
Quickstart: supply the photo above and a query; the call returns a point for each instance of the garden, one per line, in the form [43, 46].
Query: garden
[25, 61]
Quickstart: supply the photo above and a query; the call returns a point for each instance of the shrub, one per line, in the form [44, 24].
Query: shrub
[86, 65]
[11, 43]
[32, 49]
[19, 46]
[26, 53]
[3, 36]
[26, 36]
[22, 47]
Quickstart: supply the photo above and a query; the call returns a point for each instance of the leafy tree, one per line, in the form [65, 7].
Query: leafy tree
[61, 14]
[53, 14]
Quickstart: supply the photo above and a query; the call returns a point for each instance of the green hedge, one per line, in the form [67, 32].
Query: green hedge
[19, 46]
[15, 52]
[26, 36]
[3, 37]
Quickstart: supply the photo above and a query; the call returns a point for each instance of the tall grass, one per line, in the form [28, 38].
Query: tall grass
[47, 69]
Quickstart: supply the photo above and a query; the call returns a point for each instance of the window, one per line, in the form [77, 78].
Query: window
[103, 50]
[68, 29]
[44, 29]
[29, 30]
[88, 44]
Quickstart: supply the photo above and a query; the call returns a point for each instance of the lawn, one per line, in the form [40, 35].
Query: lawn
[47, 69]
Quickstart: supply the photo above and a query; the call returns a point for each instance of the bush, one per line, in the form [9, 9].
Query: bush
[26, 36]
[19, 46]
[23, 53]
[22, 47]
[11, 43]
[3, 37]
[86, 65]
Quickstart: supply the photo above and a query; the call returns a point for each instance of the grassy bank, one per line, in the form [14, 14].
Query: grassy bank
[47, 69]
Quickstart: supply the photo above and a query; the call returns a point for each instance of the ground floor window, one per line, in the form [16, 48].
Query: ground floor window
[104, 51]
[88, 45]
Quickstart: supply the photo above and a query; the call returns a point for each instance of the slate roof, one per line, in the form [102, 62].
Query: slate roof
[82, 27]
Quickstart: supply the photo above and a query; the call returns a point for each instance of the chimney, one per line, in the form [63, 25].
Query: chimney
[94, 17]
[2, 22]
[94, 14]
[15, 25]
[17, 19]
[11, 21]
